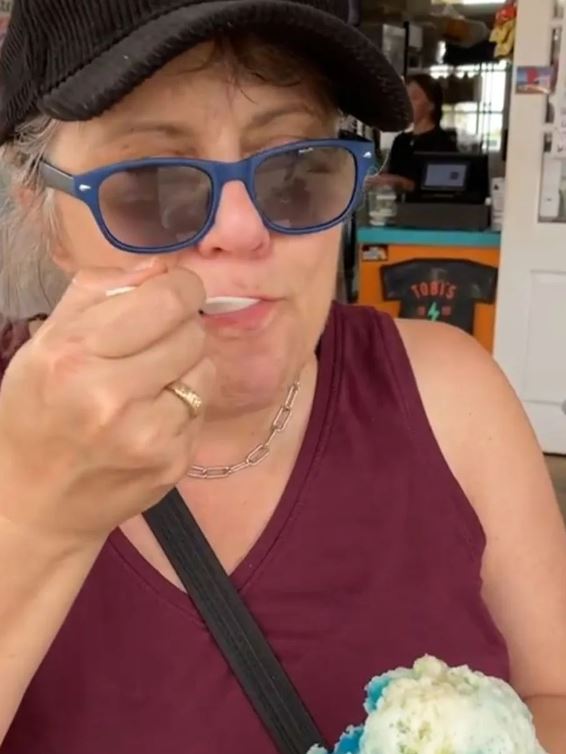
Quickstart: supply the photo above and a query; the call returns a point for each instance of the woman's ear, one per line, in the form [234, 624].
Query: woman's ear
[63, 259]
[28, 199]
[61, 256]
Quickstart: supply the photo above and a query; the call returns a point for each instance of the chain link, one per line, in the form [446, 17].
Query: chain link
[260, 452]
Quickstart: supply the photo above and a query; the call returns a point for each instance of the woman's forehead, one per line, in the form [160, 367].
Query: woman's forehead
[191, 83]
[189, 98]
[184, 110]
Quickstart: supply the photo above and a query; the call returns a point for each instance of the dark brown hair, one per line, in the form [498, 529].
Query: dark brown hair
[433, 91]
[250, 56]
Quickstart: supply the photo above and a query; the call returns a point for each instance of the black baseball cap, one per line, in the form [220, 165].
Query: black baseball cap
[74, 59]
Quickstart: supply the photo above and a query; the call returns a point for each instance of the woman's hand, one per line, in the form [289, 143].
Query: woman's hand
[396, 182]
[89, 434]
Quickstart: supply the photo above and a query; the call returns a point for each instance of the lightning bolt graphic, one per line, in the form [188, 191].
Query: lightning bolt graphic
[434, 312]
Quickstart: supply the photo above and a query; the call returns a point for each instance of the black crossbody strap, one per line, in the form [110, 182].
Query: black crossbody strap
[238, 636]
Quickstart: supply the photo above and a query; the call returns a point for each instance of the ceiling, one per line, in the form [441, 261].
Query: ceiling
[406, 10]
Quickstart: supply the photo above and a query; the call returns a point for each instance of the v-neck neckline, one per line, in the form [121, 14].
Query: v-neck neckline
[321, 417]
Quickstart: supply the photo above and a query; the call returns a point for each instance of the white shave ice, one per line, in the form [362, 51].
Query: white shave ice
[227, 304]
[434, 709]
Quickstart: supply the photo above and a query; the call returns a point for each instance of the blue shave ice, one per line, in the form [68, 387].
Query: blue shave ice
[349, 742]
[433, 708]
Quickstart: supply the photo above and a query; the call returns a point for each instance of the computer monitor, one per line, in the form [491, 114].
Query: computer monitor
[457, 177]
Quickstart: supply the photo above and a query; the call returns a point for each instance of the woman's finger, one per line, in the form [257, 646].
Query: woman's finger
[128, 324]
[161, 434]
[90, 287]
[201, 381]
[144, 375]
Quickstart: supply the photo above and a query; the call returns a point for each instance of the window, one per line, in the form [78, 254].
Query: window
[480, 121]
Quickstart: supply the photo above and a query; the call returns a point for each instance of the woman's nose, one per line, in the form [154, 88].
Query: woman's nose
[238, 228]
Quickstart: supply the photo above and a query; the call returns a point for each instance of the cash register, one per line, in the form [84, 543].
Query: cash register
[450, 194]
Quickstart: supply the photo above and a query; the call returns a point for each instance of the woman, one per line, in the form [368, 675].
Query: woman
[405, 507]
[427, 135]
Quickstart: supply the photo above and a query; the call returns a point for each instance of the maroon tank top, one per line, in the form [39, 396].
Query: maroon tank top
[371, 560]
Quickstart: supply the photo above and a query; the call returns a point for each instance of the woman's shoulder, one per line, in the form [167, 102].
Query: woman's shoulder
[445, 141]
[403, 138]
[13, 335]
[466, 397]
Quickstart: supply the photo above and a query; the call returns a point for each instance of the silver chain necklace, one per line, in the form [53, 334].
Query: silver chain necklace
[260, 452]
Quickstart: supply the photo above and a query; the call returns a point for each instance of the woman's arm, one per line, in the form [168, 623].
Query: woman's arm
[488, 442]
[81, 451]
[398, 170]
[550, 713]
[398, 183]
[40, 580]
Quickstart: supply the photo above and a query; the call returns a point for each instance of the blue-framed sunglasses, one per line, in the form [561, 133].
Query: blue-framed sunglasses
[159, 205]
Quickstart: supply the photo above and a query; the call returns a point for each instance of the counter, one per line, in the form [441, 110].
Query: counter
[446, 276]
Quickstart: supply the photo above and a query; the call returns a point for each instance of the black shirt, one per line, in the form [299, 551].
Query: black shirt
[401, 158]
[441, 290]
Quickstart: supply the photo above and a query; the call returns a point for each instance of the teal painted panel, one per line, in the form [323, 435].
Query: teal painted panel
[410, 237]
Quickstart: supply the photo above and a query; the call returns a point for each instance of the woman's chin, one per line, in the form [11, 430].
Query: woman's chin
[255, 386]
[254, 374]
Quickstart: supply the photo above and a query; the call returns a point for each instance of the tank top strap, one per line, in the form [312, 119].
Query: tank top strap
[433, 467]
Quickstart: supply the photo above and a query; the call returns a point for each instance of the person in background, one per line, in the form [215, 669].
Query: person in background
[427, 135]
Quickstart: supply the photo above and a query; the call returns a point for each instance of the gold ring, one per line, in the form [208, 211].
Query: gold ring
[189, 397]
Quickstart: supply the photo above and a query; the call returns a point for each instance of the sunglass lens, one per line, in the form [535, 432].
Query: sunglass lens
[305, 188]
[156, 206]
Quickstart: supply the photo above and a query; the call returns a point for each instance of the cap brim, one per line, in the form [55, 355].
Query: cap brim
[366, 85]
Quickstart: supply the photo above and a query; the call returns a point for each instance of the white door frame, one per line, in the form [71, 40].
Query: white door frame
[533, 258]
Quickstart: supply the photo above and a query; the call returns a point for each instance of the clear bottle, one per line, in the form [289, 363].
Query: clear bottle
[382, 205]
